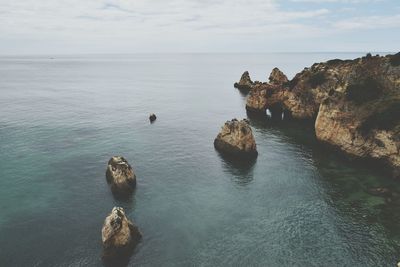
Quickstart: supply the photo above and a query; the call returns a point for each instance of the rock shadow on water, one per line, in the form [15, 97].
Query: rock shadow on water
[360, 191]
[281, 119]
[120, 236]
[241, 168]
[121, 261]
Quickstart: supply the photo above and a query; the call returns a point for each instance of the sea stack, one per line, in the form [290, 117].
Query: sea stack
[120, 176]
[245, 83]
[277, 77]
[119, 236]
[152, 117]
[236, 139]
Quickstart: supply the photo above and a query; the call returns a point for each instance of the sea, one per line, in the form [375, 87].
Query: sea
[62, 117]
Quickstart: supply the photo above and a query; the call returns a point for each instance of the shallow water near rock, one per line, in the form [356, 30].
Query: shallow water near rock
[298, 204]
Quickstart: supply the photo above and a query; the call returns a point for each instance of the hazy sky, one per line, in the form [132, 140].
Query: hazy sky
[134, 26]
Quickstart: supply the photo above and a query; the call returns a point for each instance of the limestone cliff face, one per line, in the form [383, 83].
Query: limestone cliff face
[236, 138]
[119, 235]
[355, 104]
[361, 115]
[334, 126]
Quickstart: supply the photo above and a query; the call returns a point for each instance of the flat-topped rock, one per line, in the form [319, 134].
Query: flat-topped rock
[120, 176]
[119, 235]
[236, 138]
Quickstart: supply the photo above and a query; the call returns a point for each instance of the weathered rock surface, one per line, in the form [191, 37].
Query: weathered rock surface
[120, 176]
[257, 99]
[236, 138]
[245, 82]
[355, 104]
[119, 235]
[269, 95]
[277, 77]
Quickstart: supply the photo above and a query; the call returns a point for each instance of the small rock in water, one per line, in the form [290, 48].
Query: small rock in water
[236, 138]
[120, 176]
[119, 236]
[380, 191]
[152, 117]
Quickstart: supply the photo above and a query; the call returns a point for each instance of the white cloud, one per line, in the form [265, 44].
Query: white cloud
[143, 23]
[336, 1]
[165, 25]
[142, 16]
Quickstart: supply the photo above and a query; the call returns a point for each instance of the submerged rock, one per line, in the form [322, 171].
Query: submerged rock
[152, 117]
[355, 104]
[380, 191]
[245, 82]
[120, 176]
[119, 236]
[390, 196]
[277, 77]
[236, 138]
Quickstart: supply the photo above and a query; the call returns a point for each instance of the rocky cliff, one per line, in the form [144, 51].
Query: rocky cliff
[355, 104]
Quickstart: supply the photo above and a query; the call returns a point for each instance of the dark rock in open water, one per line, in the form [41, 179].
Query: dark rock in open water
[152, 117]
[120, 176]
[119, 236]
[236, 139]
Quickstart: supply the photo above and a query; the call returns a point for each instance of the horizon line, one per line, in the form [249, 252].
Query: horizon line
[188, 53]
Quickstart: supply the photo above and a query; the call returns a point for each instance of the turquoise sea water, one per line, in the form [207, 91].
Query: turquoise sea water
[63, 117]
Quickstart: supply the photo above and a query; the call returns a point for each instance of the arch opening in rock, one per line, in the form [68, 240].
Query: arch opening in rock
[268, 113]
[276, 112]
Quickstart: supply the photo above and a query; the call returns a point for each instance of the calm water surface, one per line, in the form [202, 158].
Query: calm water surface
[61, 120]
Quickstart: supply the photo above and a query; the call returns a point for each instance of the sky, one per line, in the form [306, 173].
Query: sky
[175, 26]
